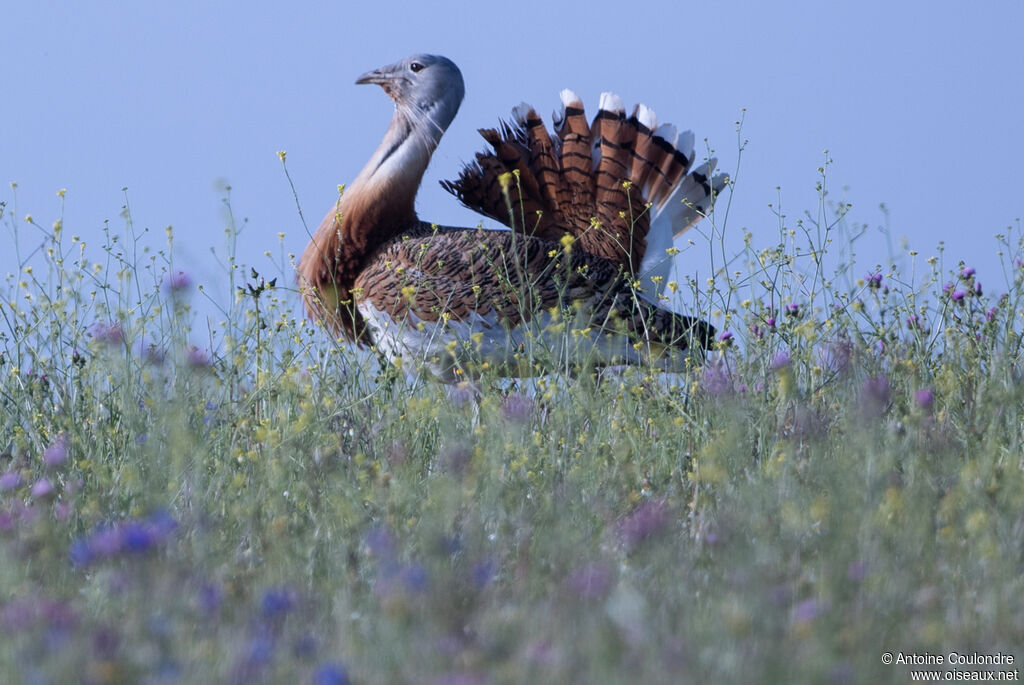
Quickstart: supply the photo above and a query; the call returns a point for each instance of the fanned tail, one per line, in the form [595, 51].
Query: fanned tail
[621, 187]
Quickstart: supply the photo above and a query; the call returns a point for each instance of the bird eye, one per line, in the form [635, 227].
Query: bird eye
[416, 66]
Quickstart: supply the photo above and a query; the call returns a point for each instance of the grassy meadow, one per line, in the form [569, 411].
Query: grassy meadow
[255, 502]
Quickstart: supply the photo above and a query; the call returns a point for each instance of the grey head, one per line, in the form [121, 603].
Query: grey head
[427, 89]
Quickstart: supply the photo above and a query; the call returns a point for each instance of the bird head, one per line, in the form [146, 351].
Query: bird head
[427, 86]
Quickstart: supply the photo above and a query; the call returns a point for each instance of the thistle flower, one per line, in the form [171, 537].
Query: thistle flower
[10, 481]
[109, 332]
[958, 295]
[43, 489]
[924, 398]
[967, 272]
[57, 453]
[177, 281]
[781, 360]
[197, 358]
[874, 281]
[793, 309]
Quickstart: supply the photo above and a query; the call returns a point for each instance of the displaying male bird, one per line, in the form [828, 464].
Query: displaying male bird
[592, 210]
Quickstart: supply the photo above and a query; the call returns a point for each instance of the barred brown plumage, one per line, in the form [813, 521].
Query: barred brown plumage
[583, 205]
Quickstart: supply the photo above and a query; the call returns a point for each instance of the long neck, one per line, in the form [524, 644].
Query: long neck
[383, 195]
[377, 206]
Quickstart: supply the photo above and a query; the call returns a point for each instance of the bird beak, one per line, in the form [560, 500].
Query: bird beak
[381, 76]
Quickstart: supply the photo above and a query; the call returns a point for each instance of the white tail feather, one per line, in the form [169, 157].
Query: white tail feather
[645, 115]
[611, 102]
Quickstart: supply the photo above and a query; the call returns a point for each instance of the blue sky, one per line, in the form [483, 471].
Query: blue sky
[918, 103]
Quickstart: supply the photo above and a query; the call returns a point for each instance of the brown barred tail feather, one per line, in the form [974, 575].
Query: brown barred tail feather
[616, 185]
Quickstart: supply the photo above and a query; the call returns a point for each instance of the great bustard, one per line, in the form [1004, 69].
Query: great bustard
[592, 209]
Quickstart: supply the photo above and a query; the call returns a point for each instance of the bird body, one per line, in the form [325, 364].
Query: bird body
[574, 279]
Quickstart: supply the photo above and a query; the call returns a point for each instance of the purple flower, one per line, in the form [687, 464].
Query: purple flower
[177, 281]
[875, 396]
[977, 288]
[42, 489]
[517, 408]
[81, 552]
[259, 651]
[793, 309]
[958, 295]
[131, 536]
[10, 481]
[197, 358]
[725, 336]
[966, 272]
[924, 398]
[330, 673]
[874, 281]
[276, 602]
[990, 315]
[380, 543]
[913, 322]
[415, 578]
[717, 381]
[57, 453]
[806, 610]
[136, 537]
[947, 287]
[151, 352]
[645, 521]
[770, 322]
[780, 360]
[109, 332]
